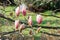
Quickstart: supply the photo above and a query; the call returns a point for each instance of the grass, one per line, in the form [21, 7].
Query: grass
[10, 25]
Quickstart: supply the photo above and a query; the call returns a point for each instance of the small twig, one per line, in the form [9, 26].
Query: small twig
[58, 35]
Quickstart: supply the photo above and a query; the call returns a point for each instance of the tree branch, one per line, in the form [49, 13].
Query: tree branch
[5, 33]
[2, 16]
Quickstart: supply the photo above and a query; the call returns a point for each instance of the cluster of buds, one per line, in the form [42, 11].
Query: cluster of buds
[19, 26]
[38, 19]
[21, 8]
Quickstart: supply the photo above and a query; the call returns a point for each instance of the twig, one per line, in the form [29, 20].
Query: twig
[58, 35]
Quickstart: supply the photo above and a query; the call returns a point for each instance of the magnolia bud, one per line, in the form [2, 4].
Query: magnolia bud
[39, 19]
[17, 11]
[30, 32]
[11, 14]
[16, 24]
[38, 29]
[30, 21]
[24, 12]
[22, 26]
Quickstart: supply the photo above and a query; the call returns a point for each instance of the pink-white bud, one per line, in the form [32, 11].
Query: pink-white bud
[22, 26]
[39, 19]
[17, 11]
[30, 21]
[16, 24]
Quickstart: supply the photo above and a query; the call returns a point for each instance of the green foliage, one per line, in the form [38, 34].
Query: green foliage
[51, 4]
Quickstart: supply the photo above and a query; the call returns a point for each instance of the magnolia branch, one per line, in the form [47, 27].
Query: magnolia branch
[5, 33]
[50, 27]
[2, 16]
[58, 35]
